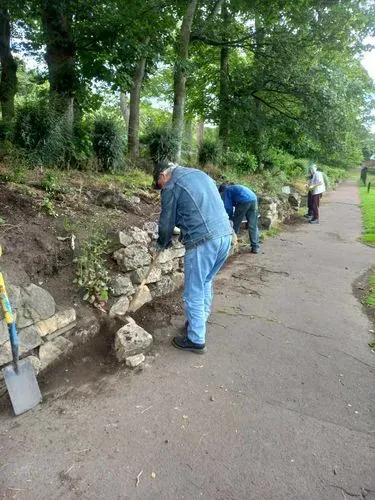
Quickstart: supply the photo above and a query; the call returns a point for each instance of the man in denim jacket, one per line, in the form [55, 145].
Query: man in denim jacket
[190, 200]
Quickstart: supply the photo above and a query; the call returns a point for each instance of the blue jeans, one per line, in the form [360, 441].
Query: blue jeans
[201, 264]
[250, 211]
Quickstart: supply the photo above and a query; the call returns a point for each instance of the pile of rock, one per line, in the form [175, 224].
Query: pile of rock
[134, 258]
[41, 327]
[276, 209]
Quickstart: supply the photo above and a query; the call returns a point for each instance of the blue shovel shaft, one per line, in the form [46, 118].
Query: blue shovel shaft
[13, 337]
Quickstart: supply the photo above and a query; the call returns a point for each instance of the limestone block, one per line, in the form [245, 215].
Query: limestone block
[35, 304]
[65, 345]
[140, 298]
[131, 340]
[139, 236]
[120, 307]
[58, 321]
[121, 285]
[134, 361]
[167, 284]
[28, 337]
[49, 353]
[124, 239]
[294, 200]
[151, 229]
[132, 257]
[139, 275]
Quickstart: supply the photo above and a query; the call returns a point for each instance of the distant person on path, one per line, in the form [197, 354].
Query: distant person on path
[317, 187]
[190, 201]
[364, 171]
[240, 202]
[309, 213]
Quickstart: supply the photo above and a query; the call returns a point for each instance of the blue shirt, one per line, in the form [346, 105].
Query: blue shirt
[190, 200]
[237, 195]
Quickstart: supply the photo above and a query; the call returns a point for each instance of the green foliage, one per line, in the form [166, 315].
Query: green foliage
[368, 211]
[91, 273]
[240, 161]
[209, 152]
[162, 143]
[108, 144]
[48, 206]
[43, 134]
[50, 182]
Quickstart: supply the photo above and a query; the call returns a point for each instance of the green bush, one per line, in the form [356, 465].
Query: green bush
[43, 134]
[108, 144]
[209, 152]
[92, 274]
[241, 161]
[162, 143]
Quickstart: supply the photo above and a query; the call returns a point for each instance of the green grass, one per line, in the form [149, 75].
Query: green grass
[368, 211]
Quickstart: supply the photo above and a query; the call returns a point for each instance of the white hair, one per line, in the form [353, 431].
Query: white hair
[169, 169]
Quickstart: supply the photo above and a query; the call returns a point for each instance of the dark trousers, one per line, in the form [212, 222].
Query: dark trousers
[315, 201]
[309, 204]
[250, 211]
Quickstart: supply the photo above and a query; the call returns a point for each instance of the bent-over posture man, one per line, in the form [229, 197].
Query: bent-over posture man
[190, 201]
[240, 202]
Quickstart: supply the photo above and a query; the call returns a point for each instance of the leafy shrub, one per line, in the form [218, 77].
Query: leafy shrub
[91, 273]
[108, 144]
[209, 152]
[48, 206]
[163, 144]
[50, 182]
[241, 161]
[43, 134]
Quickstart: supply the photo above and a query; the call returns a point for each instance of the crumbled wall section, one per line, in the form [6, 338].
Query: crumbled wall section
[43, 328]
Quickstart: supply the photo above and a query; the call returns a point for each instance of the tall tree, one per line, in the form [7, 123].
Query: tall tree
[180, 74]
[135, 95]
[8, 82]
[61, 52]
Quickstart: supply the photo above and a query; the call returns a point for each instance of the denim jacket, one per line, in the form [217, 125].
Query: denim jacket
[191, 201]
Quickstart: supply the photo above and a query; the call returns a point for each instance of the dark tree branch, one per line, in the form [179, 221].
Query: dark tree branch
[281, 112]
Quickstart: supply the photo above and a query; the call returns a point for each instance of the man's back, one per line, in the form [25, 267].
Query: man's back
[200, 212]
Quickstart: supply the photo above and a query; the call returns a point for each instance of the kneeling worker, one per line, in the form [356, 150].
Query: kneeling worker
[190, 201]
[240, 202]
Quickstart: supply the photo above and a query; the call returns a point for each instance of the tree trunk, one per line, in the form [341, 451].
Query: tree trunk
[8, 82]
[180, 75]
[200, 132]
[135, 97]
[124, 106]
[260, 143]
[224, 84]
[60, 56]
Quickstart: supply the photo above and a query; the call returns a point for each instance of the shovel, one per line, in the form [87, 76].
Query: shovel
[19, 377]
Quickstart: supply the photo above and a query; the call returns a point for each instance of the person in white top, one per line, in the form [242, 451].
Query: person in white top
[316, 187]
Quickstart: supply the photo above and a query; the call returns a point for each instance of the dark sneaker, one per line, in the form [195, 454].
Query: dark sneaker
[185, 328]
[188, 345]
[254, 250]
[307, 216]
[314, 221]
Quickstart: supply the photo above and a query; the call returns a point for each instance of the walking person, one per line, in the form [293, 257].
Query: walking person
[317, 187]
[190, 201]
[241, 202]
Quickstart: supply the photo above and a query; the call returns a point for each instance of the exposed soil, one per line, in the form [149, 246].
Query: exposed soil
[38, 247]
[361, 288]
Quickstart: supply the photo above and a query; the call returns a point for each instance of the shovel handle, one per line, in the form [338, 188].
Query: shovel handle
[7, 310]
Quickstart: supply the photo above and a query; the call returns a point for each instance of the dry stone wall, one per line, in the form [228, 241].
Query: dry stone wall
[45, 329]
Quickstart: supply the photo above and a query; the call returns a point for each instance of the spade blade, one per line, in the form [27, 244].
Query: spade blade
[22, 386]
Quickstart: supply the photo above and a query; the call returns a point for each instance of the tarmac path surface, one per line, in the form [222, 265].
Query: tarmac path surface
[278, 408]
